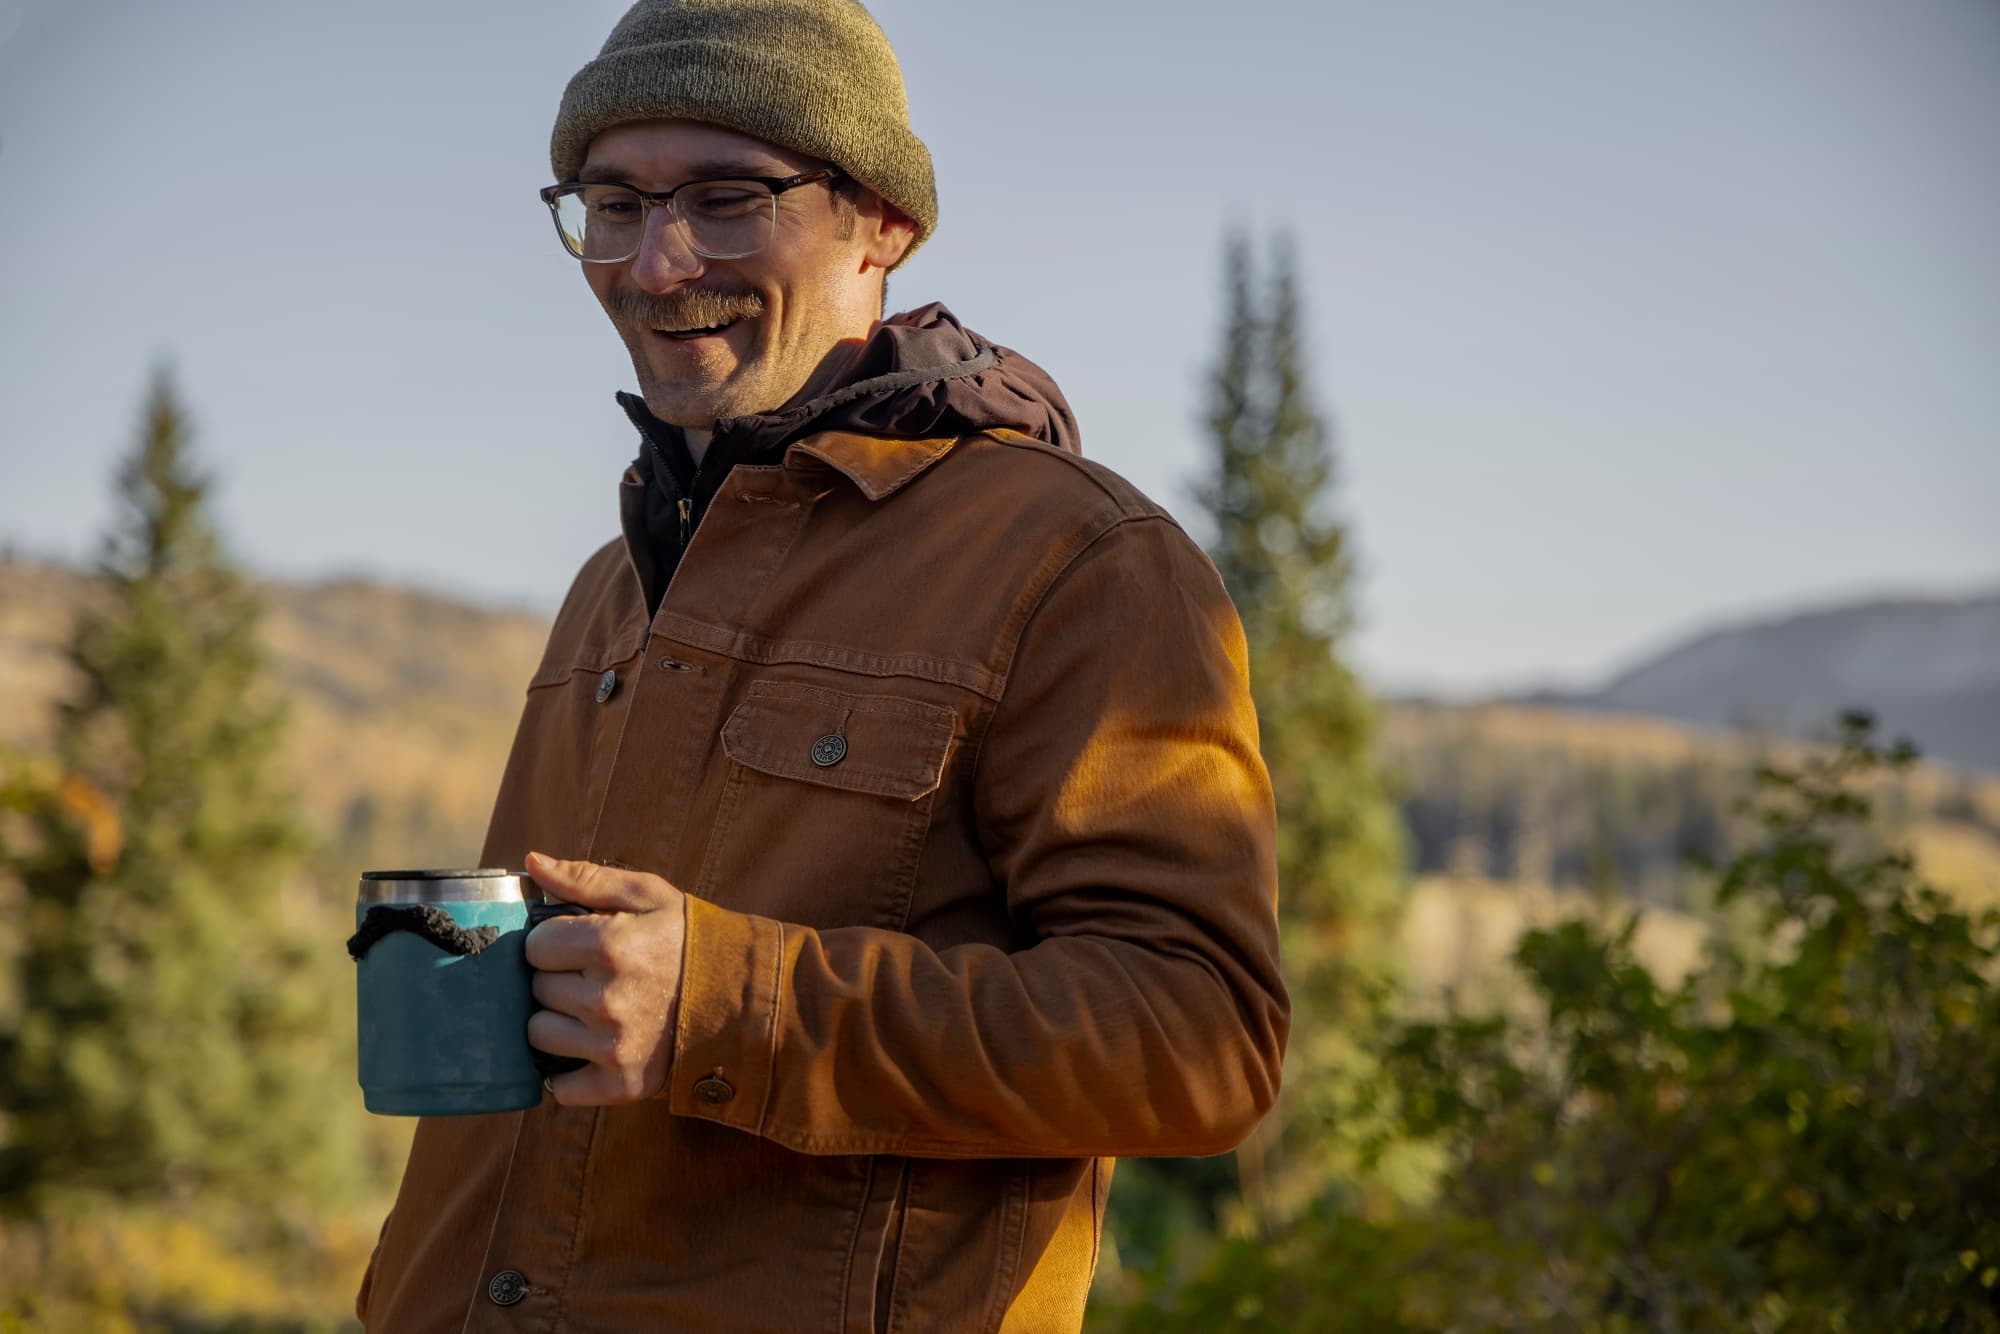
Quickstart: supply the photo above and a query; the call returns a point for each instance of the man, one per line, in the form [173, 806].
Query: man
[906, 760]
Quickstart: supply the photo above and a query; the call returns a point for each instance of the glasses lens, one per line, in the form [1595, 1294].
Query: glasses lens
[601, 222]
[728, 219]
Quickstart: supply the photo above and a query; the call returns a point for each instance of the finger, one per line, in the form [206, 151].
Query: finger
[598, 1084]
[566, 944]
[592, 1086]
[606, 888]
[559, 1035]
[575, 994]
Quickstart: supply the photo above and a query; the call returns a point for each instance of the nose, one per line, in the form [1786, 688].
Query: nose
[665, 259]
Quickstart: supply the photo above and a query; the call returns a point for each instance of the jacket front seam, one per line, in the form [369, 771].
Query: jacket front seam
[1019, 1188]
[907, 1179]
[617, 750]
[844, 1305]
[576, 1228]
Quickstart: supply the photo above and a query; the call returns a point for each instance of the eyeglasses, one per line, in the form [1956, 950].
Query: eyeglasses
[721, 218]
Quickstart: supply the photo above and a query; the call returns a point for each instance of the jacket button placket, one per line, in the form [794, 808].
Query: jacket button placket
[659, 752]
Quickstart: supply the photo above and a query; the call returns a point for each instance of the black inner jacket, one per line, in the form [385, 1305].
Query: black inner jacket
[920, 375]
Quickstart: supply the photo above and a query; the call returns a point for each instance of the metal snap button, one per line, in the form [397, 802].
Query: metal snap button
[714, 1090]
[508, 1286]
[605, 685]
[829, 750]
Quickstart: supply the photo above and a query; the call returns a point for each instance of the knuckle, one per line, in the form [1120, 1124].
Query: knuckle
[617, 1038]
[604, 950]
[617, 938]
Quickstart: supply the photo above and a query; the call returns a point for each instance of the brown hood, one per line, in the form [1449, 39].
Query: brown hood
[920, 375]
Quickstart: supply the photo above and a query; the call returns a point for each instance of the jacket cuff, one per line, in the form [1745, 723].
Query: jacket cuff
[726, 1038]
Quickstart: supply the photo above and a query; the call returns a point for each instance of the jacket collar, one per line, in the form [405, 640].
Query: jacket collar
[879, 466]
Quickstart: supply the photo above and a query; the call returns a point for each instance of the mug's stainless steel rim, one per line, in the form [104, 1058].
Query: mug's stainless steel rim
[469, 886]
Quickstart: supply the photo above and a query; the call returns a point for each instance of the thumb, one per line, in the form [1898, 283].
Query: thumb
[589, 885]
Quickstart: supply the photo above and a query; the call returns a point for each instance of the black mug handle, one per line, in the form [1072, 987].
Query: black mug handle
[546, 1064]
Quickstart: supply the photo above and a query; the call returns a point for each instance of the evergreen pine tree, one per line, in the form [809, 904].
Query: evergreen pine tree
[173, 1040]
[1285, 556]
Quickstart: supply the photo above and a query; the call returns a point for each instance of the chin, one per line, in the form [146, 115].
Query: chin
[697, 401]
[701, 408]
[681, 404]
[677, 411]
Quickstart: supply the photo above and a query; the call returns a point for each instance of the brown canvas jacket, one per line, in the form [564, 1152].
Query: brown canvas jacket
[1023, 924]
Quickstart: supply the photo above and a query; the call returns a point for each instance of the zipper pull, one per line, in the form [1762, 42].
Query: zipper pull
[687, 511]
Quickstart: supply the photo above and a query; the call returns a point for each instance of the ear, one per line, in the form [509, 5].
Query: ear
[887, 233]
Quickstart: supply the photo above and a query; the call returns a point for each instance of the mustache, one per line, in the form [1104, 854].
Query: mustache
[686, 308]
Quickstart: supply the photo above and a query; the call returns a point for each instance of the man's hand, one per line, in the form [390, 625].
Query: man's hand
[611, 981]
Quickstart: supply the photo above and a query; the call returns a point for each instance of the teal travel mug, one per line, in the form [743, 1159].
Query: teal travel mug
[442, 992]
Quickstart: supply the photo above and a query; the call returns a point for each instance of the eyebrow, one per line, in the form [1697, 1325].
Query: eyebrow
[606, 173]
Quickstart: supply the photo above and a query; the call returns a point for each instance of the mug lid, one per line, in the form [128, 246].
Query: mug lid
[476, 885]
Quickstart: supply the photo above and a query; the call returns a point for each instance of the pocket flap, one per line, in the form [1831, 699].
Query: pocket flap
[881, 744]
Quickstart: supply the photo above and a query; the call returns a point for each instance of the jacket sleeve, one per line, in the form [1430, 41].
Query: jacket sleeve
[1124, 807]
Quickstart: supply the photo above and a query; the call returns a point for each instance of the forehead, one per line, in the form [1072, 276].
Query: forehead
[665, 152]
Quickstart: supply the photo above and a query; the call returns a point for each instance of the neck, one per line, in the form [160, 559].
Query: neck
[697, 442]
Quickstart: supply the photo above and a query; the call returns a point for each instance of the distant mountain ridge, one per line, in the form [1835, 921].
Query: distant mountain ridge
[1927, 668]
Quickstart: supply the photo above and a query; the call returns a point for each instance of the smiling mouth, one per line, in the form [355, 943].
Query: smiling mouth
[689, 335]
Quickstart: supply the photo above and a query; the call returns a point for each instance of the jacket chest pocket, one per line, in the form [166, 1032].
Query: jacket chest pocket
[827, 804]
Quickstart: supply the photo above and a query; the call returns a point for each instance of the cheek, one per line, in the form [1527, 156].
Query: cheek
[600, 287]
[816, 307]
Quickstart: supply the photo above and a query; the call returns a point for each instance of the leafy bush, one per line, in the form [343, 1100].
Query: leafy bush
[1803, 1134]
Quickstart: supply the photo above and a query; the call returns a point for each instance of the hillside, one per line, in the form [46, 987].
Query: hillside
[403, 703]
[403, 706]
[1928, 669]
[1609, 803]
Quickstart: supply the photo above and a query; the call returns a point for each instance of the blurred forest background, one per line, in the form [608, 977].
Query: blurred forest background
[1605, 1021]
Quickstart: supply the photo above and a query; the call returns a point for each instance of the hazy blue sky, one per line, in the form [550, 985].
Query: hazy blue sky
[1630, 316]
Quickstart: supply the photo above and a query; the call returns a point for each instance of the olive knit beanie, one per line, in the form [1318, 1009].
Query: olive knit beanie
[815, 76]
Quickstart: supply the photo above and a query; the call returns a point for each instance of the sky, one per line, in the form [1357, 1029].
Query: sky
[1628, 318]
